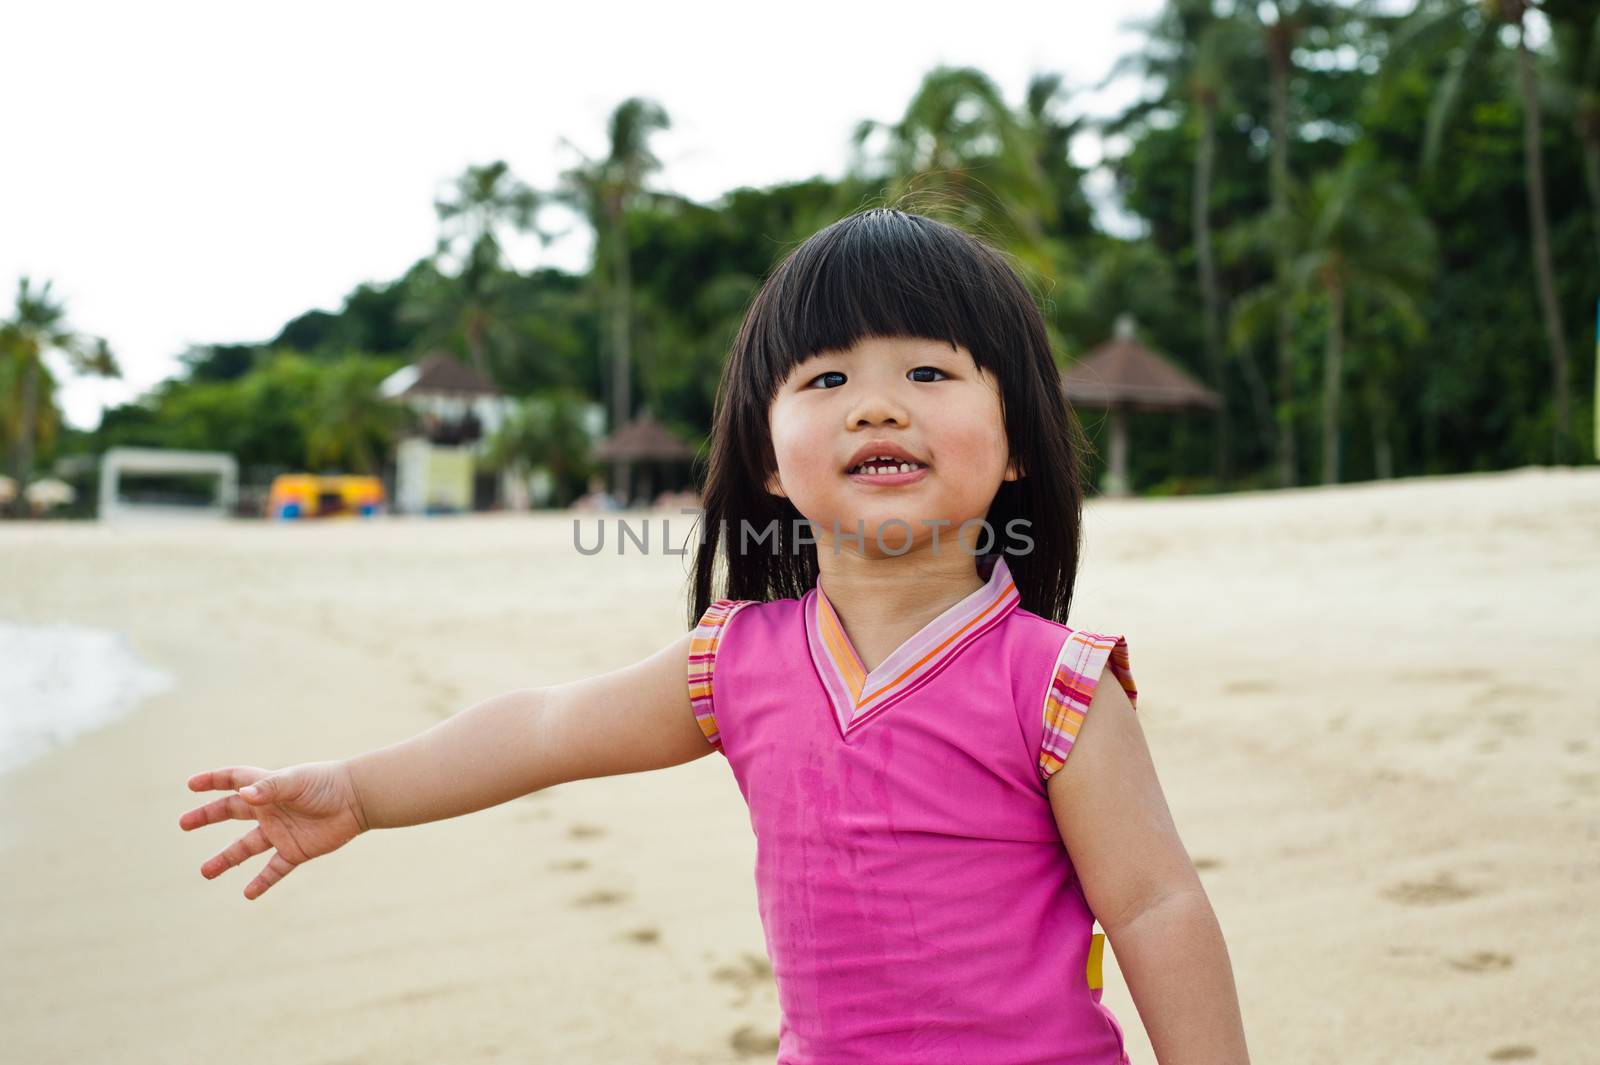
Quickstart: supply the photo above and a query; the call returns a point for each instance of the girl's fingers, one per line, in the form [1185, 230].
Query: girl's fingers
[275, 870]
[231, 777]
[228, 808]
[251, 843]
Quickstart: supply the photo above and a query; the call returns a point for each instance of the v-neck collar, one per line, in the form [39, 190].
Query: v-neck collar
[858, 695]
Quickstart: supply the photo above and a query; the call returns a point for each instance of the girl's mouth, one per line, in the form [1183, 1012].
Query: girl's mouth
[888, 474]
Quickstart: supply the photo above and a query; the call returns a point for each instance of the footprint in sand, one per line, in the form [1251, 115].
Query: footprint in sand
[1442, 888]
[582, 831]
[1248, 686]
[570, 865]
[1584, 783]
[1577, 746]
[752, 972]
[601, 897]
[1482, 961]
[1434, 676]
[643, 936]
[1510, 722]
[1515, 1052]
[751, 1042]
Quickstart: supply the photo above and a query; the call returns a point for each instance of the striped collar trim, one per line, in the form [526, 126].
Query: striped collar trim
[858, 695]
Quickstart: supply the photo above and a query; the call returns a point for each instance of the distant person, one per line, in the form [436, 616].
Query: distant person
[674, 501]
[597, 498]
[930, 863]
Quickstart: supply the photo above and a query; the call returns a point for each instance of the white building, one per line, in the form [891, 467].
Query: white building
[437, 469]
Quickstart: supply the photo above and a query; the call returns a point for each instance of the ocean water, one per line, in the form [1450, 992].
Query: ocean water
[60, 680]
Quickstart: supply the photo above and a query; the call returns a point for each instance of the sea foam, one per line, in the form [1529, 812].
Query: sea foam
[59, 680]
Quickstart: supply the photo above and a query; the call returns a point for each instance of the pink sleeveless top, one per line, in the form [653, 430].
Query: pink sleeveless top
[917, 901]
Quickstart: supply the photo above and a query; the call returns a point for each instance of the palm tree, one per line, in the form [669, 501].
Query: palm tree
[603, 191]
[1196, 54]
[1466, 31]
[1355, 236]
[347, 422]
[961, 149]
[1360, 235]
[483, 201]
[475, 305]
[1281, 24]
[36, 328]
[1575, 85]
[1051, 137]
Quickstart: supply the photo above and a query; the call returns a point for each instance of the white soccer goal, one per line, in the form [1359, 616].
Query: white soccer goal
[120, 462]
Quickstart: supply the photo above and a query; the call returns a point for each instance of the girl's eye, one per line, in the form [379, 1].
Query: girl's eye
[919, 369]
[820, 376]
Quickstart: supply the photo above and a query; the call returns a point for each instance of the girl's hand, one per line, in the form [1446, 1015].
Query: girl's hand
[304, 811]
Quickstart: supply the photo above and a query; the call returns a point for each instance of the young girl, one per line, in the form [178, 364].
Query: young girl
[893, 503]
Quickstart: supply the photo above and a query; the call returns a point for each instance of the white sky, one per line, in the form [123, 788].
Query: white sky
[190, 173]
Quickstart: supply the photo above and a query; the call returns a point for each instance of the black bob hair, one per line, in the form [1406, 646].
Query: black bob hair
[888, 273]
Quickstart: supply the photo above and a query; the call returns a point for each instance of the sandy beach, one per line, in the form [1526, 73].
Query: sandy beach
[1373, 709]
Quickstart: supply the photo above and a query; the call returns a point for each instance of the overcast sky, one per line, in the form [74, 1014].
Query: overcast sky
[190, 173]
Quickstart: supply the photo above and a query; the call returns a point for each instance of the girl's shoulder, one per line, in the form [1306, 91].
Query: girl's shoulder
[721, 609]
[1072, 662]
[716, 622]
[1055, 632]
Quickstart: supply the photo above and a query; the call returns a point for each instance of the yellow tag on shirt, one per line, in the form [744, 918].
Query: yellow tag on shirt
[1097, 943]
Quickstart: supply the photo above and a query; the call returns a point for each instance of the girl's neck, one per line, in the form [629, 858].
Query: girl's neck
[882, 602]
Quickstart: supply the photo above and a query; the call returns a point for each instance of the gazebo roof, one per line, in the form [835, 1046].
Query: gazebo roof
[438, 373]
[1124, 373]
[643, 438]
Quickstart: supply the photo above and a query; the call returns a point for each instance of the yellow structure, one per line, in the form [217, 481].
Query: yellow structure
[308, 495]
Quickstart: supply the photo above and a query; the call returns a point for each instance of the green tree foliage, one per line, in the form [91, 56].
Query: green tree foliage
[36, 328]
[1274, 165]
[1357, 240]
[546, 430]
[474, 303]
[603, 191]
[959, 152]
[1466, 33]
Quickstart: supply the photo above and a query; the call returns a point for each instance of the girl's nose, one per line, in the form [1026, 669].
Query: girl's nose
[877, 409]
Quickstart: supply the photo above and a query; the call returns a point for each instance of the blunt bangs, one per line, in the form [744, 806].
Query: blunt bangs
[882, 273]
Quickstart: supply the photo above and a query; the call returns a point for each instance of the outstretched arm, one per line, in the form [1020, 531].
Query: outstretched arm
[632, 719]
[1142, 887]
[636, 718]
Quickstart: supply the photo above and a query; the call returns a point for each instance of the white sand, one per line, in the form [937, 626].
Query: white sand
[1373, 710]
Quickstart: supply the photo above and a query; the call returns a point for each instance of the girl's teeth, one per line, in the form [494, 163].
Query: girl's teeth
[904, 467]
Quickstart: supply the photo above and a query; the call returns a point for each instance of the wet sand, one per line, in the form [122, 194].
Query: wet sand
[1373, 710]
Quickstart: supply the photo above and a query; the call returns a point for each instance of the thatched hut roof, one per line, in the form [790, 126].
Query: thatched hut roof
[1124, 373]
[438, 373]
[644, 438]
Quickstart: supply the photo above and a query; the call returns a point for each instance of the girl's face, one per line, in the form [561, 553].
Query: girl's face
[917, 397]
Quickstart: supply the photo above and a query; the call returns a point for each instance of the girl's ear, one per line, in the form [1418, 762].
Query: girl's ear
[1013, 470]
[774, 487]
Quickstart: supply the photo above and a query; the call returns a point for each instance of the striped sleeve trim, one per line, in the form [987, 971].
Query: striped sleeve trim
[702, 662]
[1082, 659]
